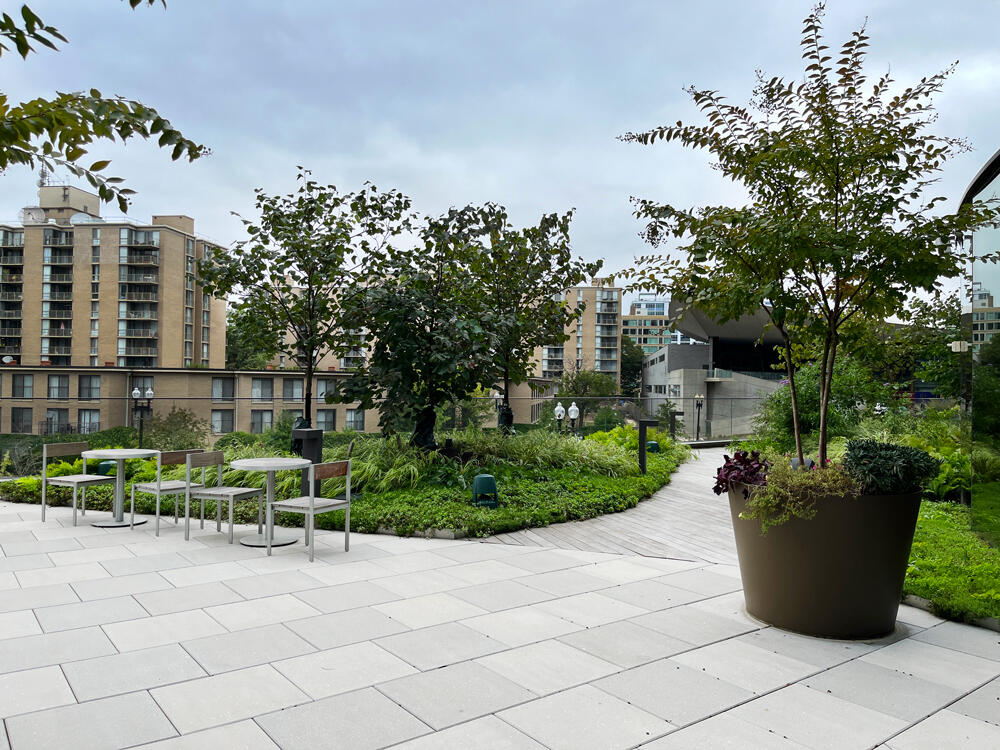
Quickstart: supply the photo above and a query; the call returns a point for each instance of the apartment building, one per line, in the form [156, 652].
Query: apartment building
[985, 316]
[647, 324]
[79, 290]
[594, 341]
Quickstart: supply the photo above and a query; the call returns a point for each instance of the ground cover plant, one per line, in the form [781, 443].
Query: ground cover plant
[543, 478]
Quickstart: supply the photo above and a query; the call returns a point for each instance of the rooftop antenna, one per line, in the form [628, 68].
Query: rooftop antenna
[43, 176]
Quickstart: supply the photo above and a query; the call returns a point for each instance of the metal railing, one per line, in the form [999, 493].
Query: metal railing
[142, 259]
[53, 314]
[52, 427]
[139, 296]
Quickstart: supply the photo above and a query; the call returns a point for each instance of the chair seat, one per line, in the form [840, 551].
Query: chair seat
[301, 504]
[228, 492]
[168, 486]
[78, 480]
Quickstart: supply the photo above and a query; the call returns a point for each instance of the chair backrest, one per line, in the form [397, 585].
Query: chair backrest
[332, 469]
[51, 450]
[205, 458]
[350, 449]
[173, 458]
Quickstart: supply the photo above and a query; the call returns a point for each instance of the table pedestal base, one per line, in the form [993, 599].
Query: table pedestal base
[258, 540]
[113, 524]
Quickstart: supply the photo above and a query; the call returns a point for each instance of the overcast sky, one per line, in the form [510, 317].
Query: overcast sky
[470, 101]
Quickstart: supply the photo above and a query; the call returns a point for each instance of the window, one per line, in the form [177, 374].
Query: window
[222, 421]
[223, 389]
[59, 387]
[57, 420]
[90, 420]
[674, 391]
[143, 383]
[292, 413]
[260, 420]
[262, 389]
[326, 419]
[355, 420]
[90, 387]
[23, 386]
[291, 389]
[20, 420]
[323, 387]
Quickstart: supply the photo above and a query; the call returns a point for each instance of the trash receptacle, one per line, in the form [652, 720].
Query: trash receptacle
[309, 441]
[652, 447]
[104, 467]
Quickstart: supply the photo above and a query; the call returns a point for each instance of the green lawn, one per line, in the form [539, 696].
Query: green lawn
[951, 566]
[986, 511]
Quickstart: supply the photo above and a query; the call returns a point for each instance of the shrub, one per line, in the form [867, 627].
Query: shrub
[235, 440]
[742, 468]
[791, 492]
[985, 464]
[888, 469]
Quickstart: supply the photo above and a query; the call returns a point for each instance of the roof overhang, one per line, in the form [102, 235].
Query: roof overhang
[697, 324]
[986, 175]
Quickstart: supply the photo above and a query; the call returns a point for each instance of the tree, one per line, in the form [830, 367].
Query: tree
[838, 226]
[179, 429]
[431, 342]
[522, 273]
[589, 388]
[299, 270]
[631, 367]
[56, 133]
[245, 348]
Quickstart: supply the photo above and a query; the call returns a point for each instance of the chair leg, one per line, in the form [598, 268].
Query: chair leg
[83, 502]
[311, 525]
[347, 530]
[74, 506]
[131, 523]
[218, 514]
[187, 517]
[203, 513]
[260, 514]
[230, 520]
[43, 499]
[177, 502]
[158, 514]
[270, 526]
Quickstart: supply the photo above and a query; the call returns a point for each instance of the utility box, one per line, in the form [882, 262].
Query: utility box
[309, 442]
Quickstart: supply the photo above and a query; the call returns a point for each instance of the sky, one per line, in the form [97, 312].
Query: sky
[457, 102]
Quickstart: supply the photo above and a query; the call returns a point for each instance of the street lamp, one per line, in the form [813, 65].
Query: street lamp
[560, 414]
[574, 414]
[697, 419]
[142, 410]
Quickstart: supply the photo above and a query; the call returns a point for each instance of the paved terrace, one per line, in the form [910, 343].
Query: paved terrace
[114, 638]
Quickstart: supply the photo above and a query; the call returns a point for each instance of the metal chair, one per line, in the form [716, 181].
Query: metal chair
[310, 506]
[76, 481]
[220, 493]
[161, 488]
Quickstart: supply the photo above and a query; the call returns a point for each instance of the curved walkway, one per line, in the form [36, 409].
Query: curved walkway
[684, 520]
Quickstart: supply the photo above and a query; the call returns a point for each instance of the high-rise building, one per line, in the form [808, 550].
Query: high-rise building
[594, 341]
[985, 316]
[78, 290]
[647, 324]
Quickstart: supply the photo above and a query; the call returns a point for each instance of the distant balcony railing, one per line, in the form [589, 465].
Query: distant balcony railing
[11, 296]
[10, 349]
[58, 296]
[58, 349]
[10, 331]
[59, 278]
[142, 259]
[139, 296]
[140, 278]
[10, 314]
[141, 315]
[12, 278]
[140, 333]
[58, 260]
[54, 314]
[60, 332]
[53, 427]
[140, 351]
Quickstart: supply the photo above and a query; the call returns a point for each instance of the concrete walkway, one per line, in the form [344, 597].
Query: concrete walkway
[684, 520]
[111, 638]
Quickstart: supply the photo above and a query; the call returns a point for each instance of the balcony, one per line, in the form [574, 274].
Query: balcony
[58, 238]
[140, 351]
[53, 314]
[10, 349]
[58, 349]
[139, 296]
[59, 278]
[142, 259]
[11, 296]
[58, 259]
[12, 278]
[717, 375]
[140, 333]
[140, 278]
[57, 296]
[10, 331]
[58, 332]
[10, 314]
[141, 315]
[11, 259]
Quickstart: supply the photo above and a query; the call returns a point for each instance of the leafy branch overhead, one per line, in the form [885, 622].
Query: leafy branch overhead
[839, 226]
[57, 132]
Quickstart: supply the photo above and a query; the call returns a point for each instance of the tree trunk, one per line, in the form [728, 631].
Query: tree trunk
[505, 417]
[423, 430]
[824, 400]
[790, 370]
[307, 405]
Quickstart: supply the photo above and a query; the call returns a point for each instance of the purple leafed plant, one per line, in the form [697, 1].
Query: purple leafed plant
[742, 468]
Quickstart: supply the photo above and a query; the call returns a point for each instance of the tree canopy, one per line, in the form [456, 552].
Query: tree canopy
[631, 367]
[57, 133]
[298, 271]
[839, 226]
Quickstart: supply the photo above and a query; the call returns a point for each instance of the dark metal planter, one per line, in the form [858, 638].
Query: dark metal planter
[837, 575]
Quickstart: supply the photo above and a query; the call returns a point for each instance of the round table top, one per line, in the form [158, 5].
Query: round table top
[120, 453]
[270, 464]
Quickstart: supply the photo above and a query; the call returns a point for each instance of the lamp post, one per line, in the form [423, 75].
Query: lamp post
[574, 414]
[142, 410]
[697, 419]
[560, 414]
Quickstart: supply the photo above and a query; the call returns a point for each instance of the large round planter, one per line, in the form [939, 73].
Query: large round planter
[837, 575]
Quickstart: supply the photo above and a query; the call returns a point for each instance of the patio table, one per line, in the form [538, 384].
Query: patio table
[120, 456]
[269, 465]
